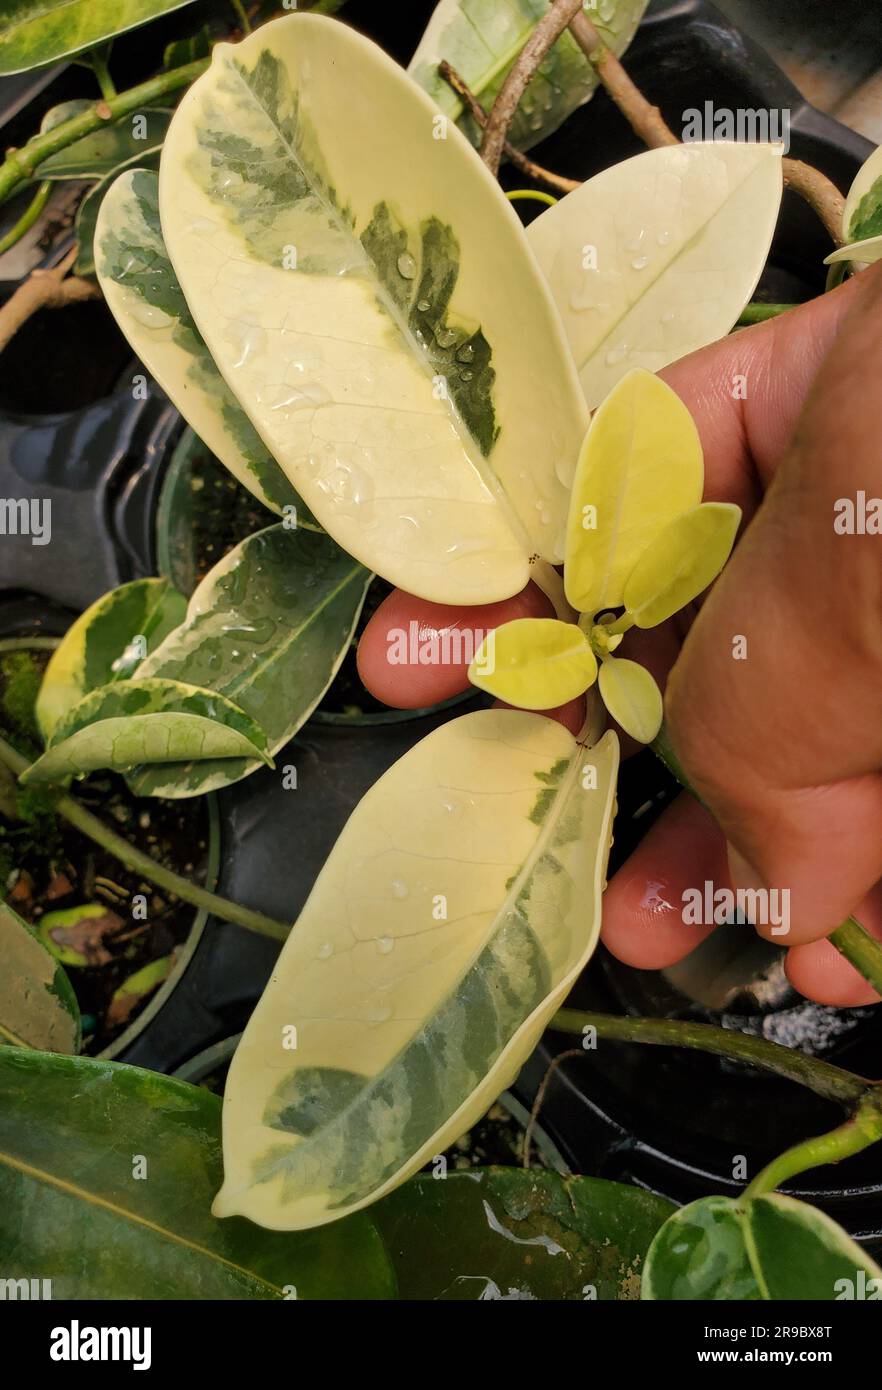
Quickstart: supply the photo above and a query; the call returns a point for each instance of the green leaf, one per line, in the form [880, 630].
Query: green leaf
[631, 696]
[658, 255]
[862, 214]
[106, 644]
[482, 38]
[268, 629]
[773, 1247]
[144, 296]
[73, 1210]
[510, 1233]
[146, 721]
[38, 1007]
[641, 465]
[699, 1253]
[458, 906]
[366, 291]
[87, 212]
[680, 562]
[34, 32]
[182, 51]
[799, 1253]
[534, 663]
[106, 149]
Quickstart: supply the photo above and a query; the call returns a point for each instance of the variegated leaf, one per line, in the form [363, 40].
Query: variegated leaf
[366, 290]
[38, 1007]
[454, 913]
[34, 32]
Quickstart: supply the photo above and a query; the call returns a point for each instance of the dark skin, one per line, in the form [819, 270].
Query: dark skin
[784, 745]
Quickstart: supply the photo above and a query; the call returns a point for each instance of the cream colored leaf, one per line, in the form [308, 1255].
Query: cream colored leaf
[658, 255]
[680, 562]
[457, 908]
[864, 252]
[367, 292]
[534, 663]
[632, 697]
[640, 466]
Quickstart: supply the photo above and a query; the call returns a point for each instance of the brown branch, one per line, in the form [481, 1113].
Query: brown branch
[543, 37]
[44, 289]
[645, 120]
[526, 166]
[648, 123]
[540, 1098]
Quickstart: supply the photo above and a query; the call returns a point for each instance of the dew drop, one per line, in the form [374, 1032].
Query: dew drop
[445, 337]
[380, 1015]
[663, 237]
[406, 265]
[325, 950]
[466, 353]
[399, 888]
[423, 305]
[385, 944]
[466, 376]
[640, 262]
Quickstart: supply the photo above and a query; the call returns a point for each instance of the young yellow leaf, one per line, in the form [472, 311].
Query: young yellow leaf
[632, 697]
[680, 563]
[535, 663]
[640, 466]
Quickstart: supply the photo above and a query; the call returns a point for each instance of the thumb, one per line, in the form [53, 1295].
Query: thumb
[775, 704]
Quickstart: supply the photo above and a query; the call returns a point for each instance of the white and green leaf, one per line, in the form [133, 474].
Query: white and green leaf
[862, 215]
[366, 291]
[864, 252]
[658, 255]
[106, 644]
[146, 721]
[38, 1008]
[35, 32]
[145, 298]
[103, 150]
[458, 906]
[482, 38]
[268, 628]
[680, 562]
[87, 212]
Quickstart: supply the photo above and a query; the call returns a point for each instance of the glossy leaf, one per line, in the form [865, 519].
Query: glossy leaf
[641, 465]
[482, 38]
[632, 697]
[38, 1007]
[534, 663]
[367, 292]
[87, 212]
[72, 1211]
[106, 644]
[101, 152]
[680, 562]
[699, 1253]
[458, 906]
[34, 32]
[658, 255]
[864, 252]
[773, 1247]
[511, 1233]
[268, 629]
[145, 298]
[146, 721]
[862, 215]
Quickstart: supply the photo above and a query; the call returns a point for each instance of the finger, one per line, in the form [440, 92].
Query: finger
[773, 705]
[414, 653]
[818, 970]
[571, 715]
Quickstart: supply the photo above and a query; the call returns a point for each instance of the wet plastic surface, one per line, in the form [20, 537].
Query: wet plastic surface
[670, 1121]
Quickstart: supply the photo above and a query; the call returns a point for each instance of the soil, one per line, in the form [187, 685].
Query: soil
[46, 866]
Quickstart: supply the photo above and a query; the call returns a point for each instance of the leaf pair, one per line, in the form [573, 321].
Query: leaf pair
[638, 537]
[772, 1247]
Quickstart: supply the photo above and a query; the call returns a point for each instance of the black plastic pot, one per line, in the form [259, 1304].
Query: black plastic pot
[669, 1121]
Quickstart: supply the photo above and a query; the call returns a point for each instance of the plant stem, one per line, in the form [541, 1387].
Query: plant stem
[531, 195]
[44, 289]
[242, 16]
[758, 313]
[545, 34]
[28, 217]
[520, 160]
[98, 64]
[851, 940]
[135, 859]
[20, 164]
[863, 1129]
[833, 1083]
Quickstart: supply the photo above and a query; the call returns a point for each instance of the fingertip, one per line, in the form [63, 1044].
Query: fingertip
[818, 971]
[571, 715]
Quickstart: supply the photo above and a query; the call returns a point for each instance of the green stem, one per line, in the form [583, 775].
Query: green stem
[19, 165]
[531, 195]
[623, 623]
[851, 940]
[135, 859]
[98, 64]
[758, 313]
[242, 16]
[863, 1129]
[28, 217]
[833, 1083]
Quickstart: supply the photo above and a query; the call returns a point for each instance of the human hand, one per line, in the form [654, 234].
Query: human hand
[782, 741]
